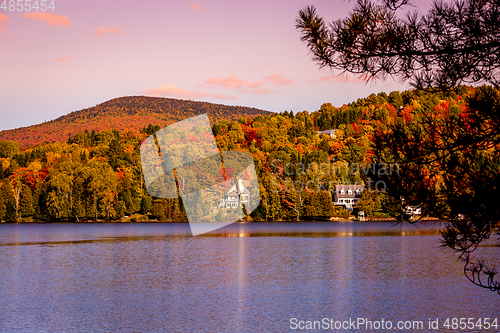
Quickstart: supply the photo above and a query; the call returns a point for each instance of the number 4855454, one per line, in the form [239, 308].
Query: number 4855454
[27, 5]
[471, 323]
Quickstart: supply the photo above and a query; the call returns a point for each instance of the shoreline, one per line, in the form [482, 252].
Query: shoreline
[429, 219]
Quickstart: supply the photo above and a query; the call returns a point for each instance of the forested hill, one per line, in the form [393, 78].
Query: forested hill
[124, 113]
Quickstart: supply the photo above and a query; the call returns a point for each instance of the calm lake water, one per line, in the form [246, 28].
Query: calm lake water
[242, 278]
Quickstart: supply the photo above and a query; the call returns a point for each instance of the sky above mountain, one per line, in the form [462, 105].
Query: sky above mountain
[83, 53]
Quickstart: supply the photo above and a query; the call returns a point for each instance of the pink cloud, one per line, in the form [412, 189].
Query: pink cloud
[231, 82]
[279, 80]
[245, 86]
[61, 59]
[170, 90]
[105, 30]
[196, 6]
[49, 19]
[3, 19]
[260, 91]
[254, 84]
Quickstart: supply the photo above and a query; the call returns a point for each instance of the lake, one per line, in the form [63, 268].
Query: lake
[246, 277]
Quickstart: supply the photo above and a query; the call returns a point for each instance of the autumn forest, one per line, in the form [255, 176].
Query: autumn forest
[82, 173]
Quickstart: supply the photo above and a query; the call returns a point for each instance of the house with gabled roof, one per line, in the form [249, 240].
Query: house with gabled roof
[413, 210]
[238, 195]
[347, 195]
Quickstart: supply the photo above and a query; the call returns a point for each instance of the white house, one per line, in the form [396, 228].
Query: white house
[413, 210]
[237, 195]
[347, 195]
[331, 133]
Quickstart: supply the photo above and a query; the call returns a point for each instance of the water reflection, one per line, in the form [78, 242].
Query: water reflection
[322, 229]
[243, 278]
[60, 233]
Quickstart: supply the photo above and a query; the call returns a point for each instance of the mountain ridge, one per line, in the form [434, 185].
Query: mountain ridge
[124, 113]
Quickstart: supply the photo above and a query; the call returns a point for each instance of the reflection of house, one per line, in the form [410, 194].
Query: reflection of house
[238, 194]
[331, 133]
[347, 195]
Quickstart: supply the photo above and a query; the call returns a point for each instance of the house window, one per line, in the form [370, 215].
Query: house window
[244, 197]
[348, 201]
[342, 191]
[349, 192]
[358, 191]
[235, 204]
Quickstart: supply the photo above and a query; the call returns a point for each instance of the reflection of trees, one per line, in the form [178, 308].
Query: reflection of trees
[448, 154]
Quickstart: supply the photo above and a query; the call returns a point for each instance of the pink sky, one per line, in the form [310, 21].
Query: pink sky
[230, 52]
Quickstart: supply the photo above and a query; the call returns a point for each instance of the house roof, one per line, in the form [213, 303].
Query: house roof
[327, 132]
[238, 188]
[346, 188]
